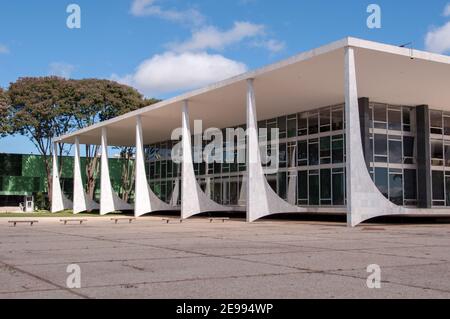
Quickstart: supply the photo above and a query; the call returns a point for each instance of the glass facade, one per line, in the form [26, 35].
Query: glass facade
[440, 157]
[312, 151]
[393, 148]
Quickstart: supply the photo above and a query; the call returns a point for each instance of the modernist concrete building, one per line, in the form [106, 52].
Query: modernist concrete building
[364, 131]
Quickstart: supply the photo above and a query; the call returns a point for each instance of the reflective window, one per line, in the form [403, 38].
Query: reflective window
[325, 121]
[314, 188]
[338, 120]
[381, 180]
[302, 124]
[313, 124]
[325, 186]
[395, 120]
[325, 150]
[380, 116]
[410, 184]
[437, 153]
[438, 185]
[436, 122]
[380, 145]
[338, 189]
[395, 152]
[396, 188]
[313, 152]
[303, 153]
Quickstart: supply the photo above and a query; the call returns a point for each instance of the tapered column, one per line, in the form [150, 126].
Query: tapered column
[109, 201]
[261, 199]
[193, 200]
[81, 201]
[59, 201]
[145, 200]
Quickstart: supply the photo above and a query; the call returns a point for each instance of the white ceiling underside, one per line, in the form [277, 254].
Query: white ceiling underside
[309, 81]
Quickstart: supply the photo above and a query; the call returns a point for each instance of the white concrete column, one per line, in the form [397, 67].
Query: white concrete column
[145, 200]
[59, 201]
[261, 199]
[193, 200]
[81, 201]
[109, 201]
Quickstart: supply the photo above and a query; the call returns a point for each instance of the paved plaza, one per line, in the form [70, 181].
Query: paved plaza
[199, 259]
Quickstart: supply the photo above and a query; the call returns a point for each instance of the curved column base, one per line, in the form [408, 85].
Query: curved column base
[88, 206]
[155, 204]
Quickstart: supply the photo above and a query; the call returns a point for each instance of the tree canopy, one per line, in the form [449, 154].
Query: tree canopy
[4, 110]
[46, 107]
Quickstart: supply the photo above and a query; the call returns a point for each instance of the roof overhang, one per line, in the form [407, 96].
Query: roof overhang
[310, 80]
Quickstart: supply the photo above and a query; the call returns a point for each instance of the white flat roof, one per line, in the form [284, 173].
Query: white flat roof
[307, 81]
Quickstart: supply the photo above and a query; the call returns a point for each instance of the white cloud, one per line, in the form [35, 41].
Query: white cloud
[438, 39]
[447, 10]
[214, 39]
[61, 69]
[272, 45]
[173, 72]
[142, 8]
[4, 49]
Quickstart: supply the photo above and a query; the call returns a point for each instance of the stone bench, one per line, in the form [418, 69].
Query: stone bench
[67, 221]
[116, 220]
[223, 219]
[15, 222]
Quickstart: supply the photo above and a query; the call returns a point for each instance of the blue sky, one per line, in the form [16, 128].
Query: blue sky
[137, 41]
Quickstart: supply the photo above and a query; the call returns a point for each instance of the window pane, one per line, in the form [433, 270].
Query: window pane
[314, 190]
[380, 144]
[325, 121]
[379, 113]
[408, 146]
[282, 126]
[303, 153]
[338, 120]
[325, 150]
[436, 119]
[447, 155]
[282, 184]
[283, 155]
[395, 152]
[437, 153]
[313, 154]
[338, 152]
[302, 182]
[338, 189]
[313, 124]
[292, 127]
[410, 184]
[302, 124]
[438, 185]
[396, 189]
[395, 120]
[447, 125]
[325, 184]
[381, 180]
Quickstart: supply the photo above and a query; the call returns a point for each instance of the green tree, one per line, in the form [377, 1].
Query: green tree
[39, 111]
[4, 110]
[95, 101]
